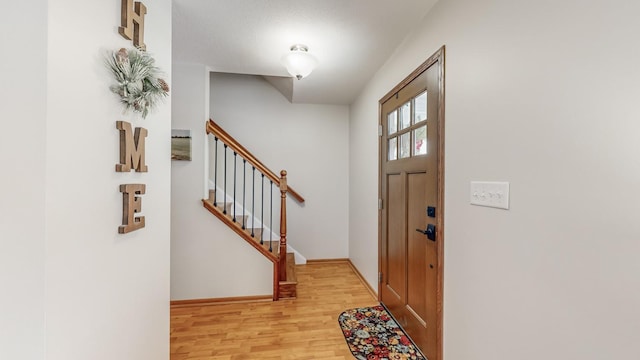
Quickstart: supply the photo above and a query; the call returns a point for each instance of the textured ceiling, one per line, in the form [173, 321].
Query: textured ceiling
[350, 38]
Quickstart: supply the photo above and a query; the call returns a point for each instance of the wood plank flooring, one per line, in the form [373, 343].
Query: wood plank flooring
[304, 328]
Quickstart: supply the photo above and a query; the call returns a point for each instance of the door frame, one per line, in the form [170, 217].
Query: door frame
[437, 57]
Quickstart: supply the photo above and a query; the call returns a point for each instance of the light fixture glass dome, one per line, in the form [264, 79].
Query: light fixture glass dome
[299, 62]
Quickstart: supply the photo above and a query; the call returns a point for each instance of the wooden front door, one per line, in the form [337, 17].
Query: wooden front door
[411, 217]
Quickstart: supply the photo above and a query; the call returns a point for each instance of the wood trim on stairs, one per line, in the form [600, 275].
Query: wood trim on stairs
[220, 301]
[238, 230]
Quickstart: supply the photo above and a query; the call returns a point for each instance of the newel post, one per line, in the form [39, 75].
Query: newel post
[283, 227]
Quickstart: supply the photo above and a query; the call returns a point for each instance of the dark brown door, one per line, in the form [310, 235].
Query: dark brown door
[411, 174]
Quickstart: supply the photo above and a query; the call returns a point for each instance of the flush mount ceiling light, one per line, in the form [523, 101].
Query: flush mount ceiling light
[299, 62]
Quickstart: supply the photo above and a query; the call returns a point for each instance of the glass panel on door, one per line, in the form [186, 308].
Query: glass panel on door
[420, 141]
[393, 149]
[405, 145]
[405, 115]
[420, 108]
[392, 122]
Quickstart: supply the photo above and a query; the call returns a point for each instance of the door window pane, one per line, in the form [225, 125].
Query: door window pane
[393, 148]
[420, 108]
[405, 115]
[392, 122]
[405, 145]
[420, 140]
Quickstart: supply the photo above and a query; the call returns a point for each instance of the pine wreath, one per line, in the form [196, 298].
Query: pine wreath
[137, 80]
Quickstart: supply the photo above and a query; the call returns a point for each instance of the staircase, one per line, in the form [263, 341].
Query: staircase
[240, 201]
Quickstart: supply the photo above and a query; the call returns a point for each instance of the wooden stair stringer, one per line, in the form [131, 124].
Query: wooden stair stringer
[237, 227]
[284, 289]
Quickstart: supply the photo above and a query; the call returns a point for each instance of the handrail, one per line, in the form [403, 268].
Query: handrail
[213, 128]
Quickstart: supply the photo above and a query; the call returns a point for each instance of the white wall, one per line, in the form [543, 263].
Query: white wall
[205, 253]
[22, 179]
[107, 295]
[544, 95]
[309, 141]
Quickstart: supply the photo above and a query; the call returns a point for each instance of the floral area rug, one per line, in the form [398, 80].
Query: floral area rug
[372, 334]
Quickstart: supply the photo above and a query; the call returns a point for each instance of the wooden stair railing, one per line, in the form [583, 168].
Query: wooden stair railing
[217, 131]
[283, 285]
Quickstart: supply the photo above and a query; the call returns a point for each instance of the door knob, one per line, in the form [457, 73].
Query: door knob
[430, 231]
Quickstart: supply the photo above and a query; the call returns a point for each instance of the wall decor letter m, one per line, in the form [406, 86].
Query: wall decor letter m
[131, 148]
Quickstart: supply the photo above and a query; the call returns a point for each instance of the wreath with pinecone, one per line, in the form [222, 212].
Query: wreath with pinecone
[137, 80]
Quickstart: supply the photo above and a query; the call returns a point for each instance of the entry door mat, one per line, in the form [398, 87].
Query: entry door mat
[372, 334]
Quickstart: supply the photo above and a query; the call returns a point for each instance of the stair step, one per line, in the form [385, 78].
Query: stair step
[240, 218]
[225, 207]
[275, 246]
[257, 232]
[228, 207]
[222, 206]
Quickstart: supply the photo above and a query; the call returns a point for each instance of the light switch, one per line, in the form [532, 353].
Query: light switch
[490, 193]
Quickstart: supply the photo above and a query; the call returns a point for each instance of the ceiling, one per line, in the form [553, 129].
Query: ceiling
[350, 38]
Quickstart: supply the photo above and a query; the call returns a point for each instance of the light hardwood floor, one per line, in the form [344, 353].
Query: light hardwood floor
[304, 328]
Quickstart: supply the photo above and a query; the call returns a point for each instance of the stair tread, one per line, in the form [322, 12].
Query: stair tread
[275, 245]
[239, 218]
[222, 206]
[256, 232]
[227, 206]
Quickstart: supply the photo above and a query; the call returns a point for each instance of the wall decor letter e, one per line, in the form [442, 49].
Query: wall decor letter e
[131, 205]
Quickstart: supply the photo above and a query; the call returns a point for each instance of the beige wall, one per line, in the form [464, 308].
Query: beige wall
[106, 294]
[544, 95]
[283, 136]
[205, 253]
[75, 288]
[309, 141]
[23, 114]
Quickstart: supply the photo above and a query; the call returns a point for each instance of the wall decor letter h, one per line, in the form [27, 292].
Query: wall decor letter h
[132, 21]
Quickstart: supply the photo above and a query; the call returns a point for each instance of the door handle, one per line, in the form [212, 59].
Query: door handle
[430, 231]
